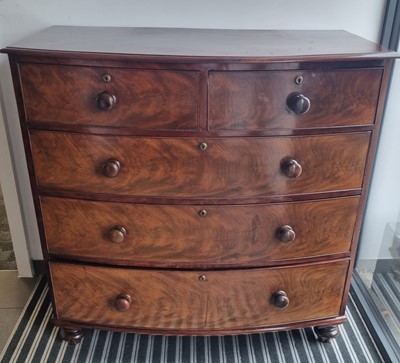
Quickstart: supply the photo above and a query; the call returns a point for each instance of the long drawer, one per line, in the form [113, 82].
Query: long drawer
[197, 300]
[189, 235]
[293, 99]
[199, 168]
[101, 96]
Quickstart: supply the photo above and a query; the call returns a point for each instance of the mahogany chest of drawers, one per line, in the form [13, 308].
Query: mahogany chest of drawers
[199, 182]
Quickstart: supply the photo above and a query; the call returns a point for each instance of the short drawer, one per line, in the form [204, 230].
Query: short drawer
[195, 236]
[197, 300]
[98, 96]
[191, 168]
[278, 99]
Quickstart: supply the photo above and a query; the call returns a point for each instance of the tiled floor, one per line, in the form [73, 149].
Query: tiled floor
[14, 292]
[7, 258]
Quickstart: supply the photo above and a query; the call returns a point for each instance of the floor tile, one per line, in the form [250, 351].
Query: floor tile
[14, 291]
[8, 318]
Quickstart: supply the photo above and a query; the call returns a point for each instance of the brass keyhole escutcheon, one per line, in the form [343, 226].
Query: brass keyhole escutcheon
[202, 278]
[299, 80]
[203, 146]
[106, 78]
[202, 213]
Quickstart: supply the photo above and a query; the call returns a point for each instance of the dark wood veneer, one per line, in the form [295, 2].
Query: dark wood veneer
[161, 235]
[260, 100]
[143, 99]
[88, 293]
[172, 167]
[163, 151]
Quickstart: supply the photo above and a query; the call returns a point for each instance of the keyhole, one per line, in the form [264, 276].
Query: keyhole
[299, 80]
[106, 78]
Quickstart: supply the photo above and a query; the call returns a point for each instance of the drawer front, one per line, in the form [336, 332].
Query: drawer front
[177, 300]
[228, 167]
[267, 100]
[140, 99]
[188, 235]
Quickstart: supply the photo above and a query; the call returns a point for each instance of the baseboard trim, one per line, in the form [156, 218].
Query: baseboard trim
[39, 267]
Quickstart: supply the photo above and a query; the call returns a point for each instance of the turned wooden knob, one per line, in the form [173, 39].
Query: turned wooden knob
[117, 234]
[299, 104]
[111, 168]
[286, 234]
[105, 101]
[280, 300]
[326, 333]
[292, 168]
[123, 302]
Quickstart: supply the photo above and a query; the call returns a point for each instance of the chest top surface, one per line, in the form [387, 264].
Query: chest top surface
[196, 44]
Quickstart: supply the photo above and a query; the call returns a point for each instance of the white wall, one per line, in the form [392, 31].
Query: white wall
[382, 215]
[19, 18]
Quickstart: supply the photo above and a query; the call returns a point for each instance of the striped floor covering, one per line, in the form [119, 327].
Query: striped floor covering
[35, 339]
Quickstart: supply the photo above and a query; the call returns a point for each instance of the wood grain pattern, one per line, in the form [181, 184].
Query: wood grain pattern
[145, 99]
[258, 100]
[176, 236]
[169, 167]
[156, 89]
[178, 300]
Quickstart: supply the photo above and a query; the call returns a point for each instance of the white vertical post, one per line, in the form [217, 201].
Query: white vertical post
[13, 209]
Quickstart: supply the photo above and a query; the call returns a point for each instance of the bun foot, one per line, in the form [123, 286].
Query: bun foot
[72, 335]
[326, 333]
